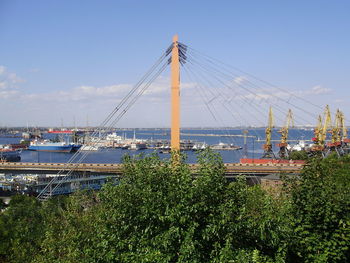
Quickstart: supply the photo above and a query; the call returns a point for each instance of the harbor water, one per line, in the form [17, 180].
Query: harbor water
[253, 149]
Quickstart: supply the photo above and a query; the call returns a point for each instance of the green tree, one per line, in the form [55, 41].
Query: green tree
[321, 212]
[298, 155]
[69, 229]
[162, 212]
[2, 204]
[21, 229]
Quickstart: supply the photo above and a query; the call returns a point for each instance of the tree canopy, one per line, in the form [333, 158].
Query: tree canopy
[161, 211]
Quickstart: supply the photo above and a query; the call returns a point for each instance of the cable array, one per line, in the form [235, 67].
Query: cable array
[227, 93]
[243, 95]
[107, 124]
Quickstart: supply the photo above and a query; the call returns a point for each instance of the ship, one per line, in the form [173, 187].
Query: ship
[138, 146]
[125, 146]
[9, 155]
[86, 147]
[199, 146]
[23, 145]
[225, 146]
[60, 131]
[47, 146]
[76, 147]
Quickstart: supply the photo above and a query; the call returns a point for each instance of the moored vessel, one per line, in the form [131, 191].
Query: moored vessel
[87, 147]
[76, 147]
[225, 146]
[138, 146]
[8, 154]
[47, 146]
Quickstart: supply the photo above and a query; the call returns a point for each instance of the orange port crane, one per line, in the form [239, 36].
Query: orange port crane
[268, 152]
[283, 152]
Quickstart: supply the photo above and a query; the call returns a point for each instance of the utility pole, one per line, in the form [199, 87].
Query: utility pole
[175, 96]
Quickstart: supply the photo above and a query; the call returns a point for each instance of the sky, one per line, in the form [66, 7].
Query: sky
[71, 62]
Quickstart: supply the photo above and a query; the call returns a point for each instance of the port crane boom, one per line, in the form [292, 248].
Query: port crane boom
[317, 131]
[283, 152]
[268, 153]
[338, 131]
[320, 132]
[326, 124]
[335, 131]
[344, 130]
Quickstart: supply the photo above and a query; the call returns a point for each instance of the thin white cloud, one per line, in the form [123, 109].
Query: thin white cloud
[319, 90]
[267, 94]
[161, 87]
[98, 101]
[6, 94]
[2, 70]
[87, 93]
[8, 80]
[262, 95]
[105, 91]
[2, 85]
[81, 93]
[239, 80]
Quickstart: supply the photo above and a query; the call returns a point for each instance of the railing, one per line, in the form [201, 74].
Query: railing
[58, 185]
[117, 168]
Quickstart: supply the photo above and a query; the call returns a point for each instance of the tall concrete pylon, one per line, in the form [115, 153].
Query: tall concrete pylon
[175, 96]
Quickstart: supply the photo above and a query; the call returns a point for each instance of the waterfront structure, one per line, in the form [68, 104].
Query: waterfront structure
[9, 155]
[47, 146]
[35, 177]
[175, 96]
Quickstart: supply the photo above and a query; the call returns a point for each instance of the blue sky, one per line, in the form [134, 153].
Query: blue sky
[51, 50]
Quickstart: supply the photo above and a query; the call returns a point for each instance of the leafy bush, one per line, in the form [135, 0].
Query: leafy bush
[163, 211]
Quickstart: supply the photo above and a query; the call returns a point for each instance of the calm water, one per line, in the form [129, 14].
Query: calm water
[115, 155]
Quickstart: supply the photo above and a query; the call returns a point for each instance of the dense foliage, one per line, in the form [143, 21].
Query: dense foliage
[2, 204]
[161, 212]
[298, 155]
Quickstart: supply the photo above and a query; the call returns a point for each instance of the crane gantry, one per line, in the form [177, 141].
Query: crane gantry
[336, 129]
[283, 145]
[268, 152]
[338, 135]
[344, 136]
[327, 123]
[317, 131]
[320, 132]
[338, 141]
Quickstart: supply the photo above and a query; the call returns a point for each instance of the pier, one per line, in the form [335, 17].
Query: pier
[232, 169]
[66, 178]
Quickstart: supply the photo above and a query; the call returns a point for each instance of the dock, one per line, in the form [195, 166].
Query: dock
[232, 169]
